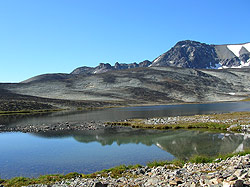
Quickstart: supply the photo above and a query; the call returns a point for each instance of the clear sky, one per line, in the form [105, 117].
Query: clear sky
[52, 36]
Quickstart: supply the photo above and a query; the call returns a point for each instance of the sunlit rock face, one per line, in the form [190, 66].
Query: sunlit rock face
[192, 54]
[186, 54]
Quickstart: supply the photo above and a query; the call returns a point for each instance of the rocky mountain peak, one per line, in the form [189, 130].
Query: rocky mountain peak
[189, 43]
[187, 54]
[145, 63]
[104, 67]
[193, 54]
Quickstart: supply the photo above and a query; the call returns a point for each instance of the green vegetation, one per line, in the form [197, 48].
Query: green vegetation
[174, 164]
[229, 155]
[247, 99]
[236, 129]
[44, 179]
[29, 111]
[116, 172]
[215, 122]
[209, 125]
[207, 159]
[201, 159]
[1, 181]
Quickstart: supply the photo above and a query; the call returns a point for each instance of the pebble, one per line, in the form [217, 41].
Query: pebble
[200, 119]
[65, 126]
[193, 175]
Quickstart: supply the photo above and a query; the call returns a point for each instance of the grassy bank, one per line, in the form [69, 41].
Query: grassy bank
[213, 126]
[29, 111]
[247, 99]
[116, 172]
[213, 122]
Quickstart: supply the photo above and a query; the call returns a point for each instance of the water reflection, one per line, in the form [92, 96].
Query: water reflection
[180, 143]
[32, 155]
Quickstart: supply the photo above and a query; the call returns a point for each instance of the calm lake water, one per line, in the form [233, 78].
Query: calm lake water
[27, 154]
[113, 114]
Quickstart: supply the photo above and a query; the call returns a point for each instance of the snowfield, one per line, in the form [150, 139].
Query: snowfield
[236, 48]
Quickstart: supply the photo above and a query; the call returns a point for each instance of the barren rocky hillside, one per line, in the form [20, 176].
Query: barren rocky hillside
[141, 85]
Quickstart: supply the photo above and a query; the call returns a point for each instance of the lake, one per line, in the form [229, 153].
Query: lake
[29, 154]
[113, 114]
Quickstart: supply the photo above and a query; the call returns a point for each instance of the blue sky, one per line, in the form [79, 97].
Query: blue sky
[51, 36]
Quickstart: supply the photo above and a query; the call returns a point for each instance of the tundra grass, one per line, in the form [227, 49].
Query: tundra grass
[44, 179]
[29, 111]
[210, 125]
[223, 122]
[116, 172]
[247, 99]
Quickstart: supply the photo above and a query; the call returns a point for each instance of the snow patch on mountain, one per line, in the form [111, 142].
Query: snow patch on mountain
[216, 66]
[247, 46]
[245, 64]
[236, 48]
[157, 59]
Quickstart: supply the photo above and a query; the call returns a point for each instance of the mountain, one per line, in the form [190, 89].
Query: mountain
[189, 72]
[192, 54]
[187, 54]
[104, 67]
[140, 85]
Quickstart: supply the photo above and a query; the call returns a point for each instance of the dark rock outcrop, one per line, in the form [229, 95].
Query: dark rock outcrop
[104, 67]
[192, 54]
[188, 54]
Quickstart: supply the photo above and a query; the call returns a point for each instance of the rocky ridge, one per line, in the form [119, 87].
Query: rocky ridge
[192, 54]
[104, 67]
[186, 54]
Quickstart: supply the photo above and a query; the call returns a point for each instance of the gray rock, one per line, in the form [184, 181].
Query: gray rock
[99, 184]
[239, 183]
[232, 178]
[152, 181]
[239, 172]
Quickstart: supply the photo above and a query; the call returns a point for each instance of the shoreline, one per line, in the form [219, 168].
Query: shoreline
[28, 112]
[232, 122]
[138, 175]
[230, 169]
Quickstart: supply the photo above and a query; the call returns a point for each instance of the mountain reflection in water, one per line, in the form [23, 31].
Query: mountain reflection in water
[180, 143]
[35, 154]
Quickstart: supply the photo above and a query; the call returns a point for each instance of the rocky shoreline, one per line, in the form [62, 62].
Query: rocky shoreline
[64, 126]
[236, 122]
[233, 171]
[243, 124]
